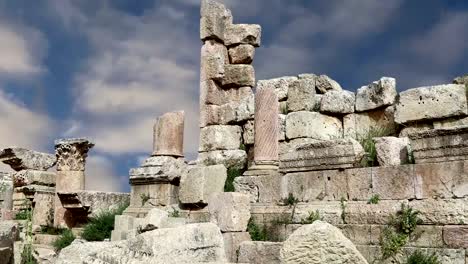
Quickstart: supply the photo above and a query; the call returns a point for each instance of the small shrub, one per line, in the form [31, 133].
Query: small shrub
[101, 226]
[175, 213]
[256, 232]
[64, 240]
[290, 200]
[23, 214]
[312, 217]
[418, 257]
[406, 219]
[367, 142]
[242, 147]
[27, 255]
[391, 242]
[375, 199]
[232, 173]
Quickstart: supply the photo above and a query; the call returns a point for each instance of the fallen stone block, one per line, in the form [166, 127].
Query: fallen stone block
[323, 84]
[242, 54]
[392, 151]
[162, 169]
[313, 125]
[29, 177]
[337, 102]
[220, 137]
[281, 85]
[92, 202]
[330, 154]
[243, 34]
[238, 75]
[318, 243]
[153, 220]
[433, 102]
[301, 95]
[377, 94]
[200, 183]
[257, 252]
[79, 249]
[230, 158]
[24, 159]
[230, 211]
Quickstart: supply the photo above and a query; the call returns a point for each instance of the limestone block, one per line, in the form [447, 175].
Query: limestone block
[173, 222]
[220, 138]
[232, 241]
[329, 154]
[43, 214]
[305, 186]
[359, 182]
[214, 20]
[93, 202]
[377, 94]
[45, 239]
[243, 110]
[337, 102]
[336, 185]
[260, 188]
[450, 122]
[230, 158]
[293, 144]
[281, 85]
[214, 56]
[191, 243]
[319, 242]
[415, 128]
[243, 34]
[281, 127]
[160, 194]
[212, 94]
[70, 181]
[230, 211]
[9, 233]
[44, 254]
[392, 151]
[79, 249]
[461, 80]
[431, 102]
[301, 95]
[394, 183]
[122, 224]
[242, 54]
[28, 177]
[323, 84]
[379, 121]
[153, 220]
[169, 135]
[200, 183]
[24, 159]
[248, 132]
[358, 234]
[313, 125]
[456, 236]
[170, 169]
[257, 252]
[239, 75]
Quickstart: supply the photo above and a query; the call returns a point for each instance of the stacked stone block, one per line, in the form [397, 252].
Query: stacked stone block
[6, 195]
[226, 81]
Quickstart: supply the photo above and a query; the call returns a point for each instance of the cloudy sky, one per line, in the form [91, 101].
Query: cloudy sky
[106, 69]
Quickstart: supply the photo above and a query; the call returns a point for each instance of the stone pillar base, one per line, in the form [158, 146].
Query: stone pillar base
[262, 168]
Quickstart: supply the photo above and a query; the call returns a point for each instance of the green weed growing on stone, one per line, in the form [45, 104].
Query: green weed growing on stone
[256, 232]
[100, 226]
[144, 198]
[419, 257]
[175, 213]
[64, 240]
[49, 230]
[375, 199]
[391, 242]
[312, 217]
[232, 174]
[368, 143]
[406, 220]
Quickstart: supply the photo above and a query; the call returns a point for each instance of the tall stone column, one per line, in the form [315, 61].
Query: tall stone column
[71, 157]
[266, 127]
[169, 135]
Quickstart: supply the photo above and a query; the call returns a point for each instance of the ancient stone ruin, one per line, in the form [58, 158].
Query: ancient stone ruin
[290, 170]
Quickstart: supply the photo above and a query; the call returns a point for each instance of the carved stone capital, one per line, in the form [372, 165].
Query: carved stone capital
[71, 153]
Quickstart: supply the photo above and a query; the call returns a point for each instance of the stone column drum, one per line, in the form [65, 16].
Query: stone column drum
[266, 127]
[169, 135]
[71, 157]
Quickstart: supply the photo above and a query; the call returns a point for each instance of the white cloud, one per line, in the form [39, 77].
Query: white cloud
[100, 175]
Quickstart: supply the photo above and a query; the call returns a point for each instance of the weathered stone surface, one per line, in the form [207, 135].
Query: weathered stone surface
[231, 113]
[359, 183]
[169, 135]
[377, 94]
[242, 54]
[281, 85]
[248, 133]
[71, 154]
[200, 183]
[229, 158]
[43, 214]
[301, 95]
[159, 169]
[323, 84]
[264, 188]
[243, 34]
[266, 126]
[212, 94]
[379, 121]
[160, 194]
[415, 128]
[28, 177]
[92, 201]
[256, 252]
[394, 183]
[239, 75]
[439, 145]
[230, 211]
[291, 145]
[232, 241]
[24, 159]
[456, 236]
[44, 255]
[319, 242]
[337, 102]
[153, 220]
[450, 122]
[313, 125]
[461, 80]
[9, 233]
[79, 249]
[392, 151]
[214, 20]
[305, 186]
[187, 244]
[281, 127]
[431, 102]
[214, 56]
[330, 154]
[220, 138]
[122, 224]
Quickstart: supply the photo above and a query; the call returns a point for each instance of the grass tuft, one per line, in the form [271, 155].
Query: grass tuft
[368, 143]
[64, 240]
[418, 257]
[232, 173]
[375, 199]
[100, 227]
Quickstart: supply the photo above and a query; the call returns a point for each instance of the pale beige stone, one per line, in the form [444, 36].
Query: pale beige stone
[43, 214]
[281, 85]
[305, 186]
[232, 241]
[392, 151]
[242, 54]
[323, 84]
[261, 188]
[379, 121]
[456, 236]
[160, 194]
[220, 137]
[281, 127]
[313, 125]
[359, 183]
[230, 158]
[266, 126]
[212, 94]
[28, 177]
[301, 95]
[257, 252]
[243, 34]
[337, 102]
[214, 20]
[415, 128]
[377, 94]
[169, 135]
[23, 159]
[239, 75]
[201, 183]
[394, 183]
[230, 211]
[451, 122]
[214, 57]
[248, 133]
[71, 153]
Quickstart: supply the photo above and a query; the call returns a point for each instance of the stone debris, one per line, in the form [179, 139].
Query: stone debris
[392, 151]
[323, 84]
[319, 243]
[301, 95]
[160, 169]
[431, 102]
[337, 102]
[197, 186]
[313, 125]
[23, 159]
[377, 94]
[230, 211]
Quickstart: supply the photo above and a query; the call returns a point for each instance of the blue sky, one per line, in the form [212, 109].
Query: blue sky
[106, 69]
